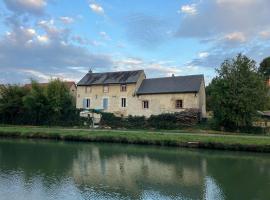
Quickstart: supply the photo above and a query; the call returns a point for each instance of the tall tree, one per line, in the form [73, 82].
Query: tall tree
[36, 105]
[264, 68]
[238, 92]
[11, 104]
[62, 105]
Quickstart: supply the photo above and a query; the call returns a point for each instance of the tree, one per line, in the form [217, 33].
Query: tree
[264, 68]
[62, 105]
[11, 104]
[238, 92]
[36, 105]
[208, 92]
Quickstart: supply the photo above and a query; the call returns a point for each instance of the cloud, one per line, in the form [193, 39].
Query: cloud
[228, 27]
[189, 9]
[154, 68]
[225, 16]
[236, 37]
[36, 74]
[44, 49]
[203, 54]
[265, 34]
[35, 7]
[96, 8]
[238, 2]
[66, 20]
[43, 38]
[104, 35]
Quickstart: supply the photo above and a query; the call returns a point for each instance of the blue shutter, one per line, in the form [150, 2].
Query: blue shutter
[105, 103]
[84, 103]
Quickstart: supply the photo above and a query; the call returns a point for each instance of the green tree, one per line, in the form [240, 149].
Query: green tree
[208, 92]
[264, 68]
[11, 104]
[62, 105]
[36, 105]
[238, 92]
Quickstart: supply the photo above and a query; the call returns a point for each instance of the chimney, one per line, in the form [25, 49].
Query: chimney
[90, 71]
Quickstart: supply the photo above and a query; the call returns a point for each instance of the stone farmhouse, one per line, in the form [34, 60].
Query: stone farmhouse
[131, 93]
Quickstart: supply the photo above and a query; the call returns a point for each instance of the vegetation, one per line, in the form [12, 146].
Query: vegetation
[211, 141]
[264, 68]
[37, 105]
[163, 121]
[237, 93]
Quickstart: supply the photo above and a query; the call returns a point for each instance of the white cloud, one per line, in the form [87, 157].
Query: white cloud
[96, 8]
[203, 54]
[189, 9]
[237, 2]
[31, 31]
[265, 34]
[26, 6]
[66, 20]
[43, 38]
[104, 35]
[37, 74]
[236, 37]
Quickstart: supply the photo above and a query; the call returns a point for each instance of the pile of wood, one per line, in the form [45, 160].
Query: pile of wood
[188, 117]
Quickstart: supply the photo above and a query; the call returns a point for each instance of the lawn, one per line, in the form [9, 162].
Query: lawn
[164, 138]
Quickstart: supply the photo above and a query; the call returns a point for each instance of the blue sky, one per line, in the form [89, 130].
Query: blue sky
[45, 39]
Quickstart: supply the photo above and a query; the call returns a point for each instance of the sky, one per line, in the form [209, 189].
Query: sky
[45, 39]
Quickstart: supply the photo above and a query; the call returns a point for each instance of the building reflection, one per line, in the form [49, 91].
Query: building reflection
[136, 172]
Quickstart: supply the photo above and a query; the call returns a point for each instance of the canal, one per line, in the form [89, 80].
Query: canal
[41, 170]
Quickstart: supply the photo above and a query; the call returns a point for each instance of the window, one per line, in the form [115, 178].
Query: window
[145, 104]
[105, 103]
[86, 103]
[105, 88]
[88, 89]
[123, 88]
[123, 102]
[178, 104]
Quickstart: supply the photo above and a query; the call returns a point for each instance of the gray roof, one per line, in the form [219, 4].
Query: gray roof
[176, 84]
[121, 77]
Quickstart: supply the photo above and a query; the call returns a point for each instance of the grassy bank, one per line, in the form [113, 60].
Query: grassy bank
[181, 139]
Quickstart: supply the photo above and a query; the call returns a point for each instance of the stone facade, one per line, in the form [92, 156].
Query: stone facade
[157, 103]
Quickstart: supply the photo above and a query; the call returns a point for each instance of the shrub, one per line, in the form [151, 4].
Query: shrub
[162, 121]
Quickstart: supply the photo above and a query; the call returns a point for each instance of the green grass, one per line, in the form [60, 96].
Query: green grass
[164, 138]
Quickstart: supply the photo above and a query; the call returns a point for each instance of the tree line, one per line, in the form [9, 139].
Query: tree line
[38, 105]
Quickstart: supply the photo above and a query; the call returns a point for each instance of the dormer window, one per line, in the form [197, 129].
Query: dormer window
[105, 88]
[123, 87]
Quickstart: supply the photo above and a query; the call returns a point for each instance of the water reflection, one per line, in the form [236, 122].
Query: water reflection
[57, 170]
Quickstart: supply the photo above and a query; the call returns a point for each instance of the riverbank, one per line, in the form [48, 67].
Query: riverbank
[177, 139]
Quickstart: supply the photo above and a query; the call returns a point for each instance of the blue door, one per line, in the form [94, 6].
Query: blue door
[105, 103]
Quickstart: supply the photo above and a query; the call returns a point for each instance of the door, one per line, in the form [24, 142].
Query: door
[105, 103]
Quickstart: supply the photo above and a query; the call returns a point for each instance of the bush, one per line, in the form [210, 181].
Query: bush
[162, 121]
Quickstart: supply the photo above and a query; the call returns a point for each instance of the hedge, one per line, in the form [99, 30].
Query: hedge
[163, 121]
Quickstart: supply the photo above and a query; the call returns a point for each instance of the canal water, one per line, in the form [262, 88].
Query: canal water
[41, 170]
